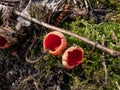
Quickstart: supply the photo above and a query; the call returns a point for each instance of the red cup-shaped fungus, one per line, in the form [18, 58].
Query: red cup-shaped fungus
[6, 37]
[55, 42]
[72, 57]
[3, 43]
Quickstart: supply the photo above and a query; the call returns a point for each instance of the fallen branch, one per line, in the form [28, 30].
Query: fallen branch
[101, 47]
[6, 37]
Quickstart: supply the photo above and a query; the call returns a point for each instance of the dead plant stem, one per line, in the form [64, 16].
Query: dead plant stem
[104, 61]
[36, 60]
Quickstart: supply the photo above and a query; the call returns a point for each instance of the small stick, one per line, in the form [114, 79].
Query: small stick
[36, 85]
[36, 60]
[117, 85]
[92, 51]
[101, 47]
[104, 62]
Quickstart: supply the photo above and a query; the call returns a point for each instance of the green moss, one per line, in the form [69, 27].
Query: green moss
[112, 4]
[90, 74]
[92, 69]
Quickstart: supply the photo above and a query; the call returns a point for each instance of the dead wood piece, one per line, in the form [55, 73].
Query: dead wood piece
[6, 38]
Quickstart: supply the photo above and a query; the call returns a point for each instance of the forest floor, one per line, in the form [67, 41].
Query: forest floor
[98, 70]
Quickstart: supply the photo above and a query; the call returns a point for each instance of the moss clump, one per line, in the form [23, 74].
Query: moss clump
[92, 68]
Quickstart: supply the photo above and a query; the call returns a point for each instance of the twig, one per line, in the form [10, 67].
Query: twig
[117, 85]
[103, 48]
[90, 5]
[75, 2]
[51, 27]
[114, 37]
[11, 1]
[36, 85]
[23, 22]
[101, 10]
[104, 61]
[36, 60]
[92, 51]
[29, 78]
[86, 4]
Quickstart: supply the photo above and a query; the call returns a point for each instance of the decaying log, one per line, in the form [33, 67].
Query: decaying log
[6, 38]
[6, 32]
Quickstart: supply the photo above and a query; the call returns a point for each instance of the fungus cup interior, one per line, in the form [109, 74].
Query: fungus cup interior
[55, 42]
[52, 42]
[3, 42]
[72, 57]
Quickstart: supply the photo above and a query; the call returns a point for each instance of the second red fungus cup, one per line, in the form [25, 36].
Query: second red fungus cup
[72, 57]
[6, 37]
[55, 42]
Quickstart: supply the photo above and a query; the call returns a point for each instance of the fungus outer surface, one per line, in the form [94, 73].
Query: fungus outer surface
[72, 57]
[52, 42]
[3, 41]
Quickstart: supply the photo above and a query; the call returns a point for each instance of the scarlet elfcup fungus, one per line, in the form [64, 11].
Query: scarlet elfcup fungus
[72, 57]
[55, 42]
[3, 43]
[6, 37]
